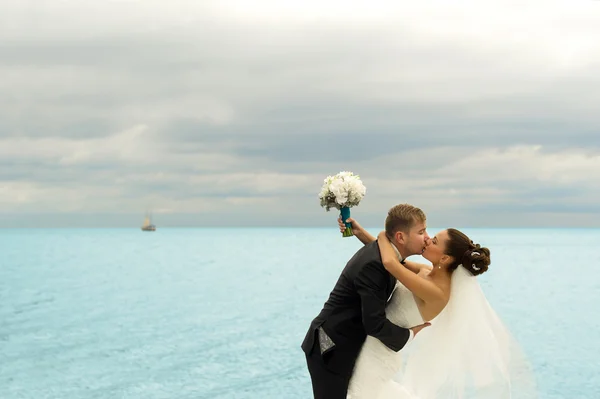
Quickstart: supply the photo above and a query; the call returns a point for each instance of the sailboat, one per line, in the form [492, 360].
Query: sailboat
[148, 226]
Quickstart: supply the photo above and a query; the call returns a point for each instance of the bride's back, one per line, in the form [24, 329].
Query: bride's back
[430, 310]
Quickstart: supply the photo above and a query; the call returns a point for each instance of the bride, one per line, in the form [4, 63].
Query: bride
[466, 353]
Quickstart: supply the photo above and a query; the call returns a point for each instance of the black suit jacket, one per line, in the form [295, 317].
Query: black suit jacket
[355, 309]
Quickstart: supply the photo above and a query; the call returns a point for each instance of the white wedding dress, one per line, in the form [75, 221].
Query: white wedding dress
[377, 364]
[466, 353]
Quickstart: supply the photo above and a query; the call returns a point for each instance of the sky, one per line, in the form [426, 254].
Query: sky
[231, 113]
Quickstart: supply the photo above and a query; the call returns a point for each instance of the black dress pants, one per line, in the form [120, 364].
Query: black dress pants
[326, 383]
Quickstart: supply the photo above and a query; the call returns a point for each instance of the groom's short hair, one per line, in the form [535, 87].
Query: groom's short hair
[403, 217]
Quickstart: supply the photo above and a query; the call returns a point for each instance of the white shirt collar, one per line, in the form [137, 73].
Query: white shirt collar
[397, 252]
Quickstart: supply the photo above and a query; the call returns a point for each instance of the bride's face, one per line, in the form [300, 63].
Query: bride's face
[437, 247]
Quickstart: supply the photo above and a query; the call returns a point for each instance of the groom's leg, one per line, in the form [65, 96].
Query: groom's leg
[326, 384]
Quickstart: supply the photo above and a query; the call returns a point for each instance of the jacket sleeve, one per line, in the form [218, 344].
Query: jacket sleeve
[370, 284]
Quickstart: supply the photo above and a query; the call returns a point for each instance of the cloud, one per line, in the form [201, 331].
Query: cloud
[222, 110]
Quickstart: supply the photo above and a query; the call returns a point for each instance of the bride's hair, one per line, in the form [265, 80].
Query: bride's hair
[473, 257]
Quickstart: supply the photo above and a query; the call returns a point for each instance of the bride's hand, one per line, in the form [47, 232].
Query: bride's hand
[383, 237]
[418, 328]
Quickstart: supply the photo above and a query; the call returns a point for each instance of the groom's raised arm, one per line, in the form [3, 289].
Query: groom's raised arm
[359, 232]
[371, 284]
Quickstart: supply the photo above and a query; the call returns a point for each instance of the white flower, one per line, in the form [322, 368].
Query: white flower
[342, 190]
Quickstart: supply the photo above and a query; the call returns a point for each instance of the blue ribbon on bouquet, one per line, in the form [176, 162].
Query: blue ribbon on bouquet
[345, 214]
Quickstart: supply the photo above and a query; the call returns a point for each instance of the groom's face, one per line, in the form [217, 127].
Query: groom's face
[417, 238]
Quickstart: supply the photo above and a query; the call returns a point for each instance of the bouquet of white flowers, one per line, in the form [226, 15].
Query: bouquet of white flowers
[342, 191]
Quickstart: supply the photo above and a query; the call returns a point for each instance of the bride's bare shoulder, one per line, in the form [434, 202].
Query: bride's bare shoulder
[424, 271]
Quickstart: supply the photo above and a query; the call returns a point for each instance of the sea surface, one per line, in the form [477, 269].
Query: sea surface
[221, 313]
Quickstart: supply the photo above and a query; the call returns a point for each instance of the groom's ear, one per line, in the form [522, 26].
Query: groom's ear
[399, 237]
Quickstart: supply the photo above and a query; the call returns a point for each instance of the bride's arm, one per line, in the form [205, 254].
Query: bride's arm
[416, 267]
[388, 255]
[360, 233]
[419, 286]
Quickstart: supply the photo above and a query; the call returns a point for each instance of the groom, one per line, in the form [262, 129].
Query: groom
[356, 307]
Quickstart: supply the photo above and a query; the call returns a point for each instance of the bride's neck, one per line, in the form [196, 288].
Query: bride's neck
[437, 272]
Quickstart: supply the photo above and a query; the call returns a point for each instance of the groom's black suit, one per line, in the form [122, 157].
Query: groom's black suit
[355, 309]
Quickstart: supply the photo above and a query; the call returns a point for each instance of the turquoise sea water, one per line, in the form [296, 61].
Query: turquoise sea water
[220, 313]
